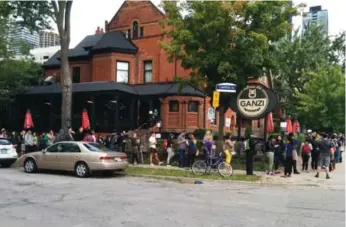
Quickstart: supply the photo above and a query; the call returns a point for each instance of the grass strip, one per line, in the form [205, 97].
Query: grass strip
[140, 171]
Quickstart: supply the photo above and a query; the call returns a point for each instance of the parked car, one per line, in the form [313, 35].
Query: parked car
[8, 153]
[79, 157]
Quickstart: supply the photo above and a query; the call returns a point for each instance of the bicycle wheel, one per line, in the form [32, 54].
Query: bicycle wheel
[225, 169]
[199, 168]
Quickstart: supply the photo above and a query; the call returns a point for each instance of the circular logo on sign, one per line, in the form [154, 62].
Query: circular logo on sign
[253, 101]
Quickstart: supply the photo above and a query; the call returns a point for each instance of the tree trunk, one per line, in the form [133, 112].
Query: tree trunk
[66, 87]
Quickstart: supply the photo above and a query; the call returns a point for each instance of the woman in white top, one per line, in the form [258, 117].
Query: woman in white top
[152, 149]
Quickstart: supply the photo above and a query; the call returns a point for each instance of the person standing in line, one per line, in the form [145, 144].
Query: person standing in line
[289, 149]
[249, 154]
[324, 159]
[279, 155]
[295, 153]
[135, 146]
[208, 147]
[169, 148]
[314, 153]
[342, 148]
[192, 150]
[79, 136]
[182, 143]
[152, 150]
[270, 148]
[70, 134]
[306, 153]
[29, 142]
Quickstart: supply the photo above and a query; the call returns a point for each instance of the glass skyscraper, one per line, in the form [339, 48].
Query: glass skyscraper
[316, 16]
[21, 36]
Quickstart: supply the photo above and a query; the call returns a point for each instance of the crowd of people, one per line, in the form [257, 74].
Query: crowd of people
[319, 151]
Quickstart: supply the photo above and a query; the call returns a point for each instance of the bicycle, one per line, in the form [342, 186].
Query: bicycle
[201, 167]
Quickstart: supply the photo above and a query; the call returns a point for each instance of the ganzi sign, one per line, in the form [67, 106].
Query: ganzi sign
[253, 101]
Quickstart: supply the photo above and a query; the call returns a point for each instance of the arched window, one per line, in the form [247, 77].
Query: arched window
[135, 29]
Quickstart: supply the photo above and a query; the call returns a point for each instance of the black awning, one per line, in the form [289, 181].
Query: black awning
[160, 89]
[81, 87]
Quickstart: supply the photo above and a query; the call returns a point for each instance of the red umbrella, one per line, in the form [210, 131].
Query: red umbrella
[289, 128]
[28, 123]
[270, 123]
[85, 120]
[296, 127]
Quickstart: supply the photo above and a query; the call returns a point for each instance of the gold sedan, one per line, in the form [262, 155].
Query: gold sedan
[79, 157]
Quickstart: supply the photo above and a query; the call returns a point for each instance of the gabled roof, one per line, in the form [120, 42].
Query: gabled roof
[107, 42]
[115, 41]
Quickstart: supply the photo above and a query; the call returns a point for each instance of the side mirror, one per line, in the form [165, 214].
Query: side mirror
[44, 151]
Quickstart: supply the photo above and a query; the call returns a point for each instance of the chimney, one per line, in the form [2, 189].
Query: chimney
[106, 25]
[101, 31]
[97, 30]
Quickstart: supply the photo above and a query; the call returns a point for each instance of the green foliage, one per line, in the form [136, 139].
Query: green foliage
[305, 53]
[18, 74]
[224, 41]
[321, 102]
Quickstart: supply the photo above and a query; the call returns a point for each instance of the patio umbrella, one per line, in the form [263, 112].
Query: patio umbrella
[85, 120]
[289, 128]
[270, 123]
[296, 127]
[28, 123]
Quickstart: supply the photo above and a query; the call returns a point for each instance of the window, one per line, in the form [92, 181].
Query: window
[70, 148]
[55, 148]
[193, 106]
[4, 142]
[135, 29]
[122, 72]
[173, 106]
[141, 32]
[96, 147]
[45, 57]
[76, 75]
[148, 71]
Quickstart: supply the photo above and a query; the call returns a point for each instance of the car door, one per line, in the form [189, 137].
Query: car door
[49, 157]
[68, 157]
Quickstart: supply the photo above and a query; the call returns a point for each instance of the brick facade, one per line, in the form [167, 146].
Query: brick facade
[102, 67]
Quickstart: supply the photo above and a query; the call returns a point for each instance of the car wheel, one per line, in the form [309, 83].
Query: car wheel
[30, 165]
[82, 170]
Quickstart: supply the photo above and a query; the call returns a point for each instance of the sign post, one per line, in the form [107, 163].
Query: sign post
[216, 99]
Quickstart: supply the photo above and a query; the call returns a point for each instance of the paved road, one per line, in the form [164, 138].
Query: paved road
[52, 200]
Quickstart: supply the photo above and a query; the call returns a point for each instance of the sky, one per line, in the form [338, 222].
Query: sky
[88, 14]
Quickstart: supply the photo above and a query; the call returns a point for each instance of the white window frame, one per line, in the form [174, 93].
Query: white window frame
[122, 71]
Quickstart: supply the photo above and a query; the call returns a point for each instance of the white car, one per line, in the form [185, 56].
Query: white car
[8, 153]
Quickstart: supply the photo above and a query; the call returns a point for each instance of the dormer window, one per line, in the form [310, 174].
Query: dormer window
[135, 29]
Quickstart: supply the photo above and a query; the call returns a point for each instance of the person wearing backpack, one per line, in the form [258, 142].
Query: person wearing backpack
[315, 153]
[306, 152]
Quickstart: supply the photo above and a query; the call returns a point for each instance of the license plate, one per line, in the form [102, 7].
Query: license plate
[3, 151]
[117, 159]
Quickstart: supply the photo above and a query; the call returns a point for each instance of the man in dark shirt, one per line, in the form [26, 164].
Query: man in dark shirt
[324, 156]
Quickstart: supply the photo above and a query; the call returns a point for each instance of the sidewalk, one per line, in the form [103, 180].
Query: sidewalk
[337, 180]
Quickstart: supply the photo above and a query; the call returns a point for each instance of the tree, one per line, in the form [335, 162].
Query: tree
[224, 41]
[37, 14]
[321, 101]
[304, 53]
[17, 75]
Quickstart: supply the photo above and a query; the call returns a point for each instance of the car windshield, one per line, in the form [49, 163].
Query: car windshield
[95, 147]
[4, 142]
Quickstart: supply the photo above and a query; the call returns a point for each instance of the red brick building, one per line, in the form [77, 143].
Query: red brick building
[123, 63]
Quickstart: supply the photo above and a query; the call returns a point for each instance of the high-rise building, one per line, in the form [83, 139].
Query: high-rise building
[21, 37]
[316, 15]
[49, 39]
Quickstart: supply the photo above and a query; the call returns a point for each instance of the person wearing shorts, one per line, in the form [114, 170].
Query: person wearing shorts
[152, 150]
[324, 158]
